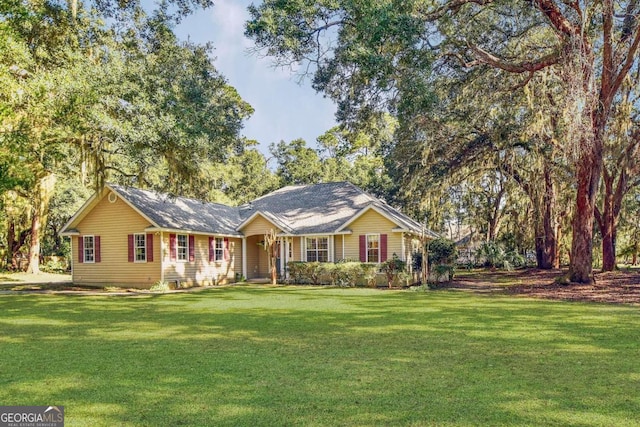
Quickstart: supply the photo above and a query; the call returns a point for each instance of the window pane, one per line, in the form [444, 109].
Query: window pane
[182, 247]
[219, 249]
[323, 243]
[88, 249]
[373, 245]
[141, 247]
[311, 244]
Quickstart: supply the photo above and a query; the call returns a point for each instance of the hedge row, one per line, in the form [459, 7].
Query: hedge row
[346, 273]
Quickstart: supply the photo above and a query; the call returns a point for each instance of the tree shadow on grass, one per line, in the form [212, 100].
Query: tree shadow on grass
[273, 356]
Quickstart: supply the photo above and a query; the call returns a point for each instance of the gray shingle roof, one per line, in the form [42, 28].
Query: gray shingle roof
[181, 213]
[321, 208]
[299, 210]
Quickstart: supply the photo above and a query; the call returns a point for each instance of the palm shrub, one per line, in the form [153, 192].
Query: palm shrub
[494, 256]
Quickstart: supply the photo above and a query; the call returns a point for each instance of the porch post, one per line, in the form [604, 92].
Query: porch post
[282, 260]
[244, 257]
[404, 251]
[161, 245]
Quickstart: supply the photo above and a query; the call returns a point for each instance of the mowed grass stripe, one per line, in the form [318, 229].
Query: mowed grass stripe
[250, 355]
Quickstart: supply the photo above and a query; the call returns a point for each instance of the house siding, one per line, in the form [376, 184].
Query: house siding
[338, 253]
[201, 271]
[371, 222]
[113, 222]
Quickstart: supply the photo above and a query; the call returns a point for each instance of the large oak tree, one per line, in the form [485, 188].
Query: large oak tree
[366, 55]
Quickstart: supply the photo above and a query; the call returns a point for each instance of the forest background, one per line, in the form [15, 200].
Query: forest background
[515, 122]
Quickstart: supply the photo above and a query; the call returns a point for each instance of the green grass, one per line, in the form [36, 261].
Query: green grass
[249, 355]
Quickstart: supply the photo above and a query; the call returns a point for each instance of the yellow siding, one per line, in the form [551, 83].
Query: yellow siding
[371, 223]
[338, 253]
[259, 226]
[113, 222]
[295, 244]
[201, 271]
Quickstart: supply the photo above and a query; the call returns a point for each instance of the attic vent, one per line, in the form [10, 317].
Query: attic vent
[113, 197]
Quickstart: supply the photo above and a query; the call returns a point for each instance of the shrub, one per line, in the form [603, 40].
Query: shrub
[442, 252]
[55, 265]
[342, 273]
[393, 268]
[160, 286]
[296, 270]
[369, 273]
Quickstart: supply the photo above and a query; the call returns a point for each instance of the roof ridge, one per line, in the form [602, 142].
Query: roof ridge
[168, 195]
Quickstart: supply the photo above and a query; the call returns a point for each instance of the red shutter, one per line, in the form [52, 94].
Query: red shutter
[80, 249]
[383, 247]
[173, 250]
[149, 247]
[130, 250]
[363, 248]
[226, 249]
[192, 248]
[96, 247]
[212, 248]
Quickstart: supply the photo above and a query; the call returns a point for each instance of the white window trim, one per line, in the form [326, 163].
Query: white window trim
[135, 248]
[215, 249]
[317, 237]
[84, 249]
[186, 255]
[367, 247]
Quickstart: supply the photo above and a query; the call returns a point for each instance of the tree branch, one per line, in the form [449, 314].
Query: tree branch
[558, 20]
[628, 63]
[451, 6]
[523, 67]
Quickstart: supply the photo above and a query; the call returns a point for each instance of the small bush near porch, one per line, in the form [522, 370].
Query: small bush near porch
[247, 355]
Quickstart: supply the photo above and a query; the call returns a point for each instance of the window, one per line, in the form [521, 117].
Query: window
[290, 246]
[89, 248]
[140, 247]
[219, 249]
[373, 248]
[317, 249]
[183, 247]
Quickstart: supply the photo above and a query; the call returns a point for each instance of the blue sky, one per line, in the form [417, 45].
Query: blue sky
[284, 108]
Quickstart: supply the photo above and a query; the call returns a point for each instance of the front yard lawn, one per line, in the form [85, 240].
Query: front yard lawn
[250, 355]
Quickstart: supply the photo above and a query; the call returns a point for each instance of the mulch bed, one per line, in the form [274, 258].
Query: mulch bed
[619, 287]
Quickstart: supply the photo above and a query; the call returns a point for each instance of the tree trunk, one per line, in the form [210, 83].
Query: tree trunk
[556, 262]
[11, 241]
[550, 243]
[34, 245]
[44, 191]
[589, 169]
[607, 230]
